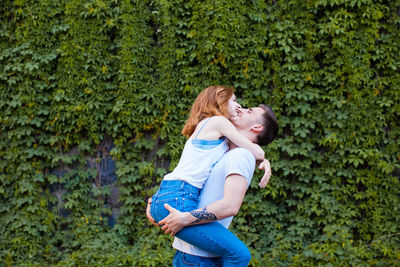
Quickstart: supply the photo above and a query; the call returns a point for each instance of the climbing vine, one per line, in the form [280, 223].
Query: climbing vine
[93, 96]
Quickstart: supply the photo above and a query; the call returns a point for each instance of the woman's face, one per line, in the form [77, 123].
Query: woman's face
[233, 106]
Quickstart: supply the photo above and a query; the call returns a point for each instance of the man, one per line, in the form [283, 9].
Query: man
[221, 198]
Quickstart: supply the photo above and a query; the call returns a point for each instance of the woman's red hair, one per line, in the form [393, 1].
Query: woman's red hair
[212, 101]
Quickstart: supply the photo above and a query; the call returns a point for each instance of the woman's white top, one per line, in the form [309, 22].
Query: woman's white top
[197, 159]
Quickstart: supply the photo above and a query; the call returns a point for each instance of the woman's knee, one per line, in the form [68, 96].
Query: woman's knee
[240, 257]
[246, 256]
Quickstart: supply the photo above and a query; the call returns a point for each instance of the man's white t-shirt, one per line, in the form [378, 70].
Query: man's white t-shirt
[236, 161]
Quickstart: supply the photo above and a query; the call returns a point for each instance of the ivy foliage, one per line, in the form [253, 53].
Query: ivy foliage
[93, 95]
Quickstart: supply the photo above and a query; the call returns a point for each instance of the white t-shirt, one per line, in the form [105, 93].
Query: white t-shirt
[197, 159]
[236, 161]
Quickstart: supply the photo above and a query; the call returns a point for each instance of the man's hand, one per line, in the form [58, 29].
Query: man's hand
[175, 221]
[267, 173]
[148, 214]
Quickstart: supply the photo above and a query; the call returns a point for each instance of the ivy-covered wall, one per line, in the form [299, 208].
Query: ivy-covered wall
[93, 95]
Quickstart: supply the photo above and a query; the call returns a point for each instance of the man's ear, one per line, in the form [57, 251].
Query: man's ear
[257, 128]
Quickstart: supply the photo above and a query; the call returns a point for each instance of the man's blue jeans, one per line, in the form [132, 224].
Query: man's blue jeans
[184, 259]
[211, 237]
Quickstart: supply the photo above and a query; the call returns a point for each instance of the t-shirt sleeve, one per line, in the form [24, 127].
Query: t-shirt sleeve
[242, 162]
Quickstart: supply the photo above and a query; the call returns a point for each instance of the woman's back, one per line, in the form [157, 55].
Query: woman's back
[199, 156]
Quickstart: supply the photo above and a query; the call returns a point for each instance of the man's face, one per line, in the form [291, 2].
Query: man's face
[246, 118]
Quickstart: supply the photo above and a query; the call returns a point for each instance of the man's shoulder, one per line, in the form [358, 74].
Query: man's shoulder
[239, 161]
[240, 153]
[239, 158]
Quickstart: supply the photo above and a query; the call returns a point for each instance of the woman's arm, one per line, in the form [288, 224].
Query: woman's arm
[221, 126]
[227, 129]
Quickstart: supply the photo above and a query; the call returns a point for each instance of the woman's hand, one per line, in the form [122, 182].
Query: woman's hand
[267, 173]
[148, 214]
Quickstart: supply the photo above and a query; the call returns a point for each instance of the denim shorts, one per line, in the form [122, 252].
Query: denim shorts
[178, 194]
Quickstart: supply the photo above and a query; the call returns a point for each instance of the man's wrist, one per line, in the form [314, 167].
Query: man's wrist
[202, 216]
[188, 218]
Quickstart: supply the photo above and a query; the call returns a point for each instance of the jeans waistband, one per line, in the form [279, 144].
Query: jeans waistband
[178, 185]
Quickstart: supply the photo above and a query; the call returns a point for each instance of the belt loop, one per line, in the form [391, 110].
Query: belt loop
[156, 194]
[182, 185]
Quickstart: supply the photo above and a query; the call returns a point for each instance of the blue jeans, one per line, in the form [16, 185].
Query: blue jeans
[216, 239]
[211, 237]
[184, 259]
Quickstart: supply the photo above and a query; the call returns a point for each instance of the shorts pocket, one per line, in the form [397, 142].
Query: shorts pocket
[159, 212]
[190, 202]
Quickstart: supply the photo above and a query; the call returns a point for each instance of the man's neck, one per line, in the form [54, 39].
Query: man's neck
[232, 146]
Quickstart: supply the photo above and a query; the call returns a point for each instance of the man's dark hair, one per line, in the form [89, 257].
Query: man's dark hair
[271, 127]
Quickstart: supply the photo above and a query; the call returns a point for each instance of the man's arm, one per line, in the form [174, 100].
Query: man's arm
[234, 191]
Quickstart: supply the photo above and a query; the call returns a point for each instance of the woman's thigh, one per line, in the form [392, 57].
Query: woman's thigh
[216, 239]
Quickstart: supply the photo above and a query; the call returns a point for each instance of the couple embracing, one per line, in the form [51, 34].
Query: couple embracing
[198, 199]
